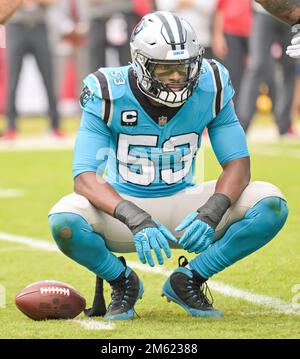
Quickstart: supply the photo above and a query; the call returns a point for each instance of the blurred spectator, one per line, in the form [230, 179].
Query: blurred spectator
[69, 28]
[230, 41]
[7, 8]
[111, 22]
[27, 34]
[267, 31]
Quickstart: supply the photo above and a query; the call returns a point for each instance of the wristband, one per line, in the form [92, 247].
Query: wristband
[214, 209]
[133, 216]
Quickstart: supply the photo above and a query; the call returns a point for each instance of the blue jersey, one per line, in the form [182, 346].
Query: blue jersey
[144, 158]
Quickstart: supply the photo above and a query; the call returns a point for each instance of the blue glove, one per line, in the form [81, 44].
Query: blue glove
[153, 238]
[147, 233]
[198, 236]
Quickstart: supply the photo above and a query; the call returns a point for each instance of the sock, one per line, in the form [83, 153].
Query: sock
[77, 240]
[259, 225]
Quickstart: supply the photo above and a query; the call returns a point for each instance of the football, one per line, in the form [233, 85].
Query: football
[50, 299]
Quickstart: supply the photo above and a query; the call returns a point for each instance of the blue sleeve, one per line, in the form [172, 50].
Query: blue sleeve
[227, 91]
[227, 135]
[92, 145]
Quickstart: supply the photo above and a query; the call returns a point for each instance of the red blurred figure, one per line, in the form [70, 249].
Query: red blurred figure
[142, 8]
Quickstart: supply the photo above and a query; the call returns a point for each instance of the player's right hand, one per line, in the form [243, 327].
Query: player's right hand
[156, 239]
[147, 233]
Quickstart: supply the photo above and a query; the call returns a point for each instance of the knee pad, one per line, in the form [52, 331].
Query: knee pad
[270, 214]
[62, 226]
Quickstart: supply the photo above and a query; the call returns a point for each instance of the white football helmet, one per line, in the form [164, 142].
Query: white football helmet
[163, 38]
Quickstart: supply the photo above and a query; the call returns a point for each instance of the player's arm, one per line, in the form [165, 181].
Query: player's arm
[100, 193]
[234, 178]
[289, 12]
[285, 10]
[7, 8]
[90, 156]
[147, 234]
[229, 143]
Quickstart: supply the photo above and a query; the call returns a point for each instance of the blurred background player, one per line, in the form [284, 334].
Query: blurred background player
[111, 22]
[69, 26]
[231, 31]
[27, 33]
[268, 64]
[70, 55]
[143, 123]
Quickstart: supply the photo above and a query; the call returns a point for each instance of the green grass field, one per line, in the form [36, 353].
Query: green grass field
[45, 176]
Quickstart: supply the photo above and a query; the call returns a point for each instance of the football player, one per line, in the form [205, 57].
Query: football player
[289, 12]
[143, 123]
[7, 8]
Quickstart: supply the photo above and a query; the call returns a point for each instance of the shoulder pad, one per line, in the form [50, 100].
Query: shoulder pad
[108, 83]
[101, 89]
[215, 79]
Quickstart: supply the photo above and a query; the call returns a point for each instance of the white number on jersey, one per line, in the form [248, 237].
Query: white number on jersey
[146, 164]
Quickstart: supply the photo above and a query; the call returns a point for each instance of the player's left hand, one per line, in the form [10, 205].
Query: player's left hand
[198, 235]
[293, 50]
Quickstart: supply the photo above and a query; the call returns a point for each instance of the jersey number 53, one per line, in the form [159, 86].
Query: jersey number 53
[141, 162]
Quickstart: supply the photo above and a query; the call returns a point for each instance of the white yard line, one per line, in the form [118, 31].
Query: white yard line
[11, 193]
[275, 304]
[90, 324]
[31, 242]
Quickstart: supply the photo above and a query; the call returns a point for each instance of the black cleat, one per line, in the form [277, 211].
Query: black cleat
[126, 290]
[186, 288]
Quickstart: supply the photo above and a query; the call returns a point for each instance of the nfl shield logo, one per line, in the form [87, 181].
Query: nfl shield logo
[162, 120]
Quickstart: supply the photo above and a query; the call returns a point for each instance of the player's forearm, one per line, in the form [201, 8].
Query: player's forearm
[234, 178]
[285, 10]
[97, 191]
[104, 197]
[7, 8]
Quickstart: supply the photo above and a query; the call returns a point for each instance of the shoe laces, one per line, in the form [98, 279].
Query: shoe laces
[198, 289]
[119, 293]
